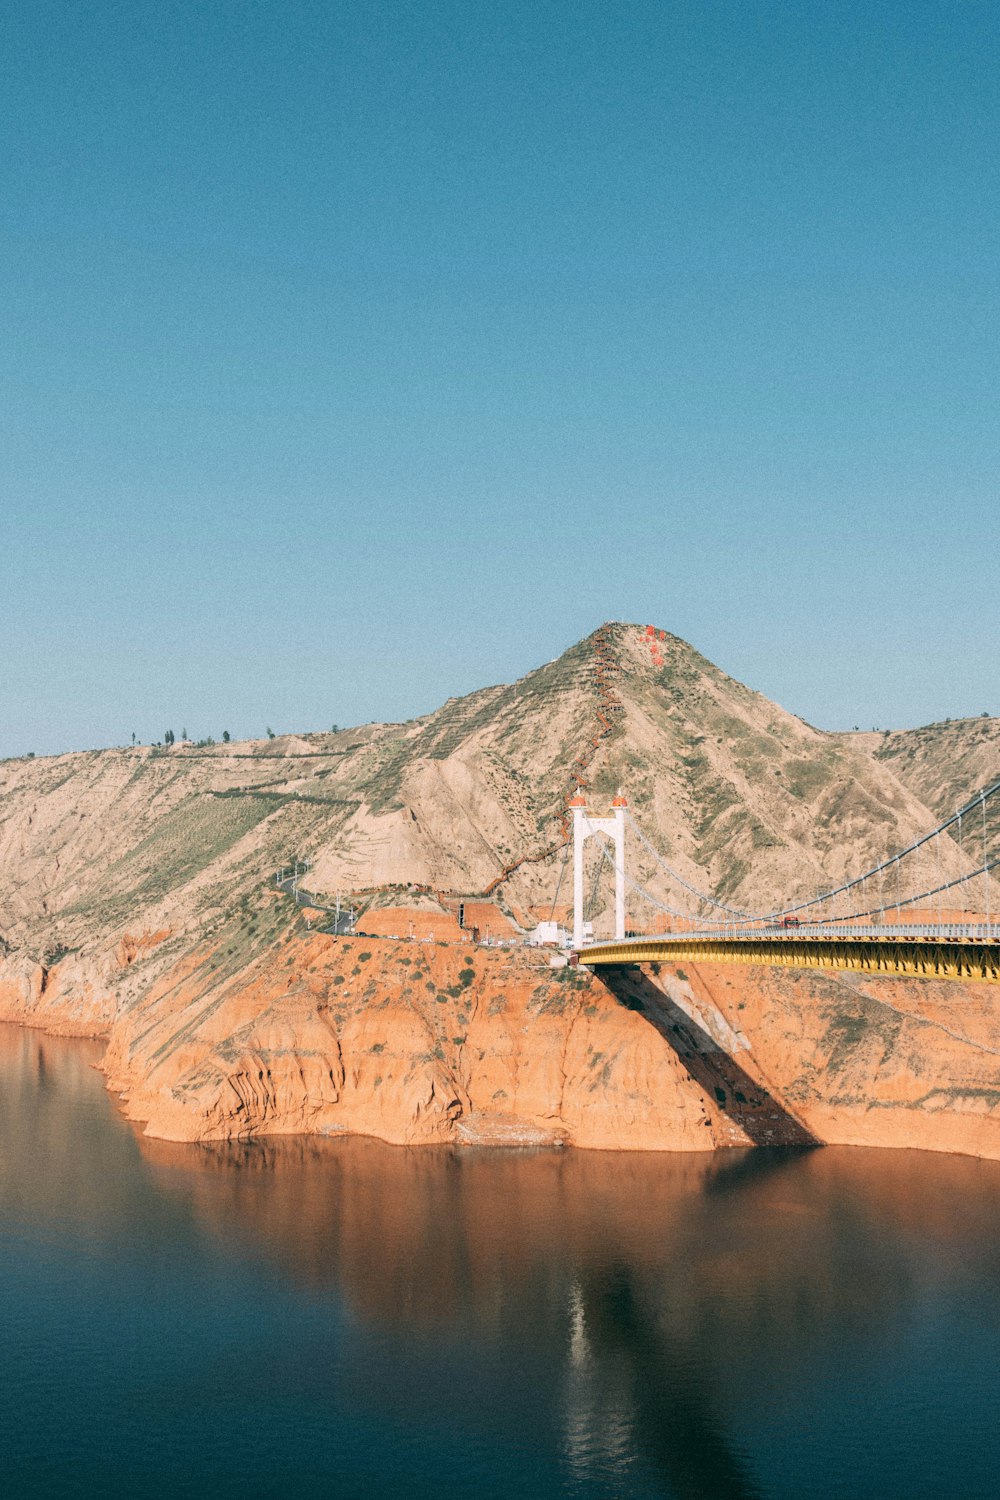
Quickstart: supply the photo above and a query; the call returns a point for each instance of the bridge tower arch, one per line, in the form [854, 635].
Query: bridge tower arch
[585, 827]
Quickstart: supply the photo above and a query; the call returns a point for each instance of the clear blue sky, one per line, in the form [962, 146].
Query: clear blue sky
[358, 354]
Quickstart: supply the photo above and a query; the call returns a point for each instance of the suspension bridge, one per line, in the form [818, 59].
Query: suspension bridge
[928, 910]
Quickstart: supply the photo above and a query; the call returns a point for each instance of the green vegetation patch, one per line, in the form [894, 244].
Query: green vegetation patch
[804, 778]
[184, 843]
[849, 1031]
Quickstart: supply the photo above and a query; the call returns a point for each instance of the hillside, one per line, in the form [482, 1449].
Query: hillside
[743, 798]
[945, 764]
[137, 902]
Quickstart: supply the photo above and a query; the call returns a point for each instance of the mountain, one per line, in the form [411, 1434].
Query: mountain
[944, 764]
[745, 799]
[138, 902]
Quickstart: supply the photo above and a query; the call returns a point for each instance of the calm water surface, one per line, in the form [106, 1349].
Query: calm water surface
[344, 1318]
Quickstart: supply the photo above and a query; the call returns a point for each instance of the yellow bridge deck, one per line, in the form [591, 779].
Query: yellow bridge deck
[924, 958]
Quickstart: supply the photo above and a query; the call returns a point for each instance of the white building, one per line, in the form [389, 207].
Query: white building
[553, 934]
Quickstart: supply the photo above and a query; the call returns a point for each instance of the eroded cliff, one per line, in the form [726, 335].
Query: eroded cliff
[419, 1041]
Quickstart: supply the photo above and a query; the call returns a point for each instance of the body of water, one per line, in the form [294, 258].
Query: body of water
[343, 1318]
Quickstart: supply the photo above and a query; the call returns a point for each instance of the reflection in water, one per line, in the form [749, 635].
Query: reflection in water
[569, 1322]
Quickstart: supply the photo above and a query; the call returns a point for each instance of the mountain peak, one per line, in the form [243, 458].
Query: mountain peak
[742, 797]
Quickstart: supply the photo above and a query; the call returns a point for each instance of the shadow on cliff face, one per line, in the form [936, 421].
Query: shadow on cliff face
[762, 1118]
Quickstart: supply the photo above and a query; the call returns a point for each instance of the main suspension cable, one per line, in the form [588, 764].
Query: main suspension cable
[693, 890]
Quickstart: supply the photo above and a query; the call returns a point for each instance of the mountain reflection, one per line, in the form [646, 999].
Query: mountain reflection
[637, 1290]
[656, 1276]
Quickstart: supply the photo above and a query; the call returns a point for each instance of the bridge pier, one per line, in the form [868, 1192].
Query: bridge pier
[585, 827]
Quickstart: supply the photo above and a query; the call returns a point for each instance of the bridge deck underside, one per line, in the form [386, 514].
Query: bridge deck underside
[925, 960]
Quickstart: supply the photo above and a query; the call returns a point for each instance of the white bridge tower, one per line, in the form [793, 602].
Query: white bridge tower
[584, 827]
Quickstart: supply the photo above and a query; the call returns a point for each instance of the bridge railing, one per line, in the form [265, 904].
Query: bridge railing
[973, 932]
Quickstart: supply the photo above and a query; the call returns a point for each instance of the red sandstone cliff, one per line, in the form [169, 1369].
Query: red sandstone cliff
[417, 1042]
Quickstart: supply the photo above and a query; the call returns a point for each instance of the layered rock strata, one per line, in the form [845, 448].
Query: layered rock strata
[417, 1042]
